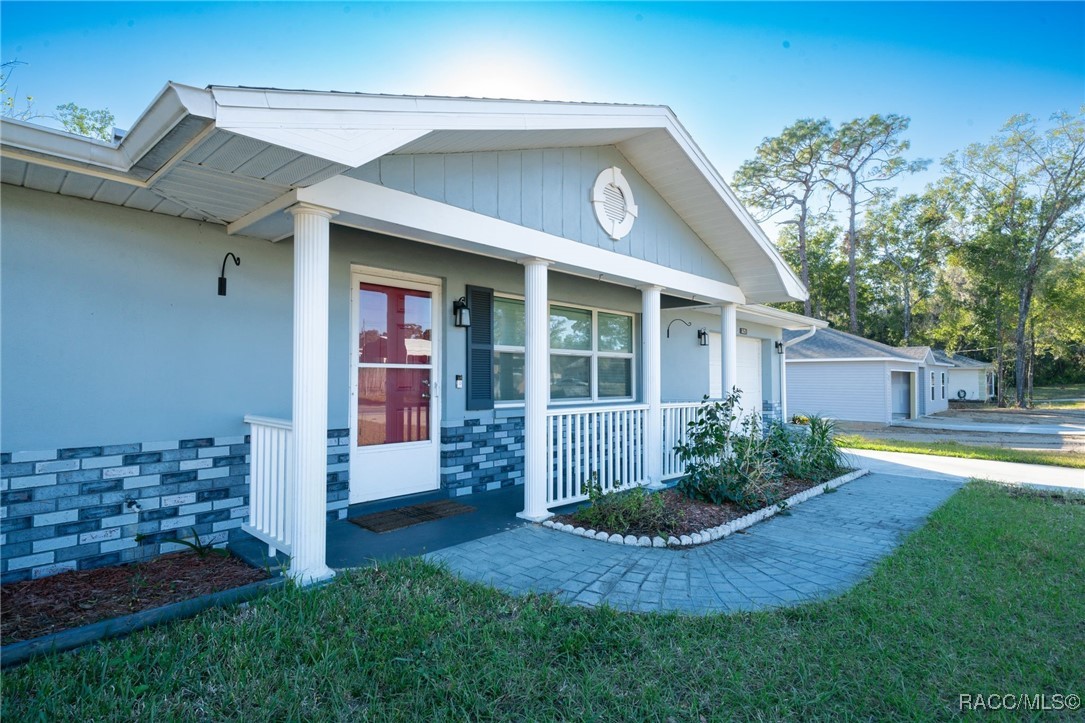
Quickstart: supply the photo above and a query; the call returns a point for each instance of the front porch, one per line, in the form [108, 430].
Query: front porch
[565, 444]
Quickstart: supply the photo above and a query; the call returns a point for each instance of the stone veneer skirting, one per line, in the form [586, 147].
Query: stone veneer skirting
[478, 456]
[771, 411]
[80, 508]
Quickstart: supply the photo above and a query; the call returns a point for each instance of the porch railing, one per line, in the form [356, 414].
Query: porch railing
[270, 482]
[604, 442]
[676, 418]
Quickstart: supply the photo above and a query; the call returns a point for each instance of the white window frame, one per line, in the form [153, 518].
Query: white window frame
[932, 386]
[943, 386]
[594, 353]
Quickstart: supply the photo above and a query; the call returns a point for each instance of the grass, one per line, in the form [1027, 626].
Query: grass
[1059, 391]
[967, 451]
[988, 597]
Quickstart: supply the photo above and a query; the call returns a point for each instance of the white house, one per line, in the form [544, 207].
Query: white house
[831, 373]
[431, 293]
[969, 379]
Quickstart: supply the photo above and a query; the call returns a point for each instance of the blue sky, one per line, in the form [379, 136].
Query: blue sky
[733, 72]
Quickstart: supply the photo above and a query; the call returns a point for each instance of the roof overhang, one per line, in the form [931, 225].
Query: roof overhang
[212, 154]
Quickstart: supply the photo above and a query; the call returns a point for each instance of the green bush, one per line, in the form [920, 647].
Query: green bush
[811, 454]
[731, 460]
[632, 511]
[727, 460]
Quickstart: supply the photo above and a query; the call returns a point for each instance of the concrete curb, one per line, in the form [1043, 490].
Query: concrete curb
[18, 653]
[713, 533]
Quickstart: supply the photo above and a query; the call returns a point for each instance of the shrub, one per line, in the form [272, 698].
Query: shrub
[632, 510]
[821, 457]
[725, 461]
[811, 454]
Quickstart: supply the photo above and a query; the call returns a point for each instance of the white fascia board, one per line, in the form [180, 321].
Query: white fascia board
[67, 151]
[374, 207]
[778, 317]
[791, 282]
[856, 359]
[172, 104]
[59, 146]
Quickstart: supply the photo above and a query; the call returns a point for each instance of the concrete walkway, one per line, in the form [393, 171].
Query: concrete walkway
[822, 548]
[952, 425]
[959, 469]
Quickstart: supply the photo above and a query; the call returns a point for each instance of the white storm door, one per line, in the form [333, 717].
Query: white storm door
[749, 375]
[395, 405]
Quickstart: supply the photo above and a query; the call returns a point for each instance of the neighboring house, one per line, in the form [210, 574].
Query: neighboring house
[433, 294]
[969, 379]
[834, 374]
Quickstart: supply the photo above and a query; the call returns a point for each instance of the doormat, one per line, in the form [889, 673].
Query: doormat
[397, 519]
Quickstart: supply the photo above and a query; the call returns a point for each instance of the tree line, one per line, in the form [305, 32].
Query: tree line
[987, 260]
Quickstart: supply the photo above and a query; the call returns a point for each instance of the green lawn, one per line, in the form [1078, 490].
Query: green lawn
[956, 449]
[987, 598]
[1059, 391]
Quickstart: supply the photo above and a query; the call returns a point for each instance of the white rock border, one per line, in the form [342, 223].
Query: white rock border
[713, 533]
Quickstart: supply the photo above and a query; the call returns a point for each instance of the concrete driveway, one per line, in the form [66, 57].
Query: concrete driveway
[965, 425]
[903, 464]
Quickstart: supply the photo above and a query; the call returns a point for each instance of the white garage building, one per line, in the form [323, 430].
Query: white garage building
[842, 376]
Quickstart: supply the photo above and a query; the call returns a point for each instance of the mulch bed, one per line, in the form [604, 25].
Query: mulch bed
[34, 608]
[695, 515]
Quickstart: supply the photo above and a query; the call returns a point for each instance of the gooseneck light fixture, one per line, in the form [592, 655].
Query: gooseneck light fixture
[222, 275]
[461, 315]
[674, 320]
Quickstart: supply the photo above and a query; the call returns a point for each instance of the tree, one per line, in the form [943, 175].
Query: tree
[828, 271]
[11, 106]
[908, 237]
[785, 175]
[86, 122]
[72, 118]
[864, 153]
[1023, 194]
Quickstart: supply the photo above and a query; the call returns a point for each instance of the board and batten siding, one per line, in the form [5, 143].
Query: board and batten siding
[549, 190]
[856, 391]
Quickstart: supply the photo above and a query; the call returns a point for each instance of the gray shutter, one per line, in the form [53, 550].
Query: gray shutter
[480, 348]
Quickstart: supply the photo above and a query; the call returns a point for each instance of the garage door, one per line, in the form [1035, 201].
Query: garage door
[902, 394]
[749, 375]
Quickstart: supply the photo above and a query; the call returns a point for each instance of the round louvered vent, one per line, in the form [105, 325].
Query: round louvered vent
[613, 202]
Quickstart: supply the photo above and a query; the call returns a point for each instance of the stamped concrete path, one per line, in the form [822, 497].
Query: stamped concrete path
[822, 548]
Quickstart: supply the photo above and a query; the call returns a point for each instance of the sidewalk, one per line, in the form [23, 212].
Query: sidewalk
[1060, 430]
[958, 469]
[822, 548]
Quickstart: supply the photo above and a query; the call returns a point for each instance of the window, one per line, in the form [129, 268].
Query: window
[932, 386]
[943, 385]
[591, 353]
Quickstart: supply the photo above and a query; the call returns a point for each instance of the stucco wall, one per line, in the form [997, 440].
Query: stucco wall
[549, 190]
[856, 391]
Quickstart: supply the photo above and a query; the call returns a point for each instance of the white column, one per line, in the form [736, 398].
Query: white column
[652, 384]
[310, 457]
[536, 392]
[729, 340]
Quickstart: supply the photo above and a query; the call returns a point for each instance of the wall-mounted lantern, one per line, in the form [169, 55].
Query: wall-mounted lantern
[702, 337]
[461, 315]
[779, 347]
[222, 274]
